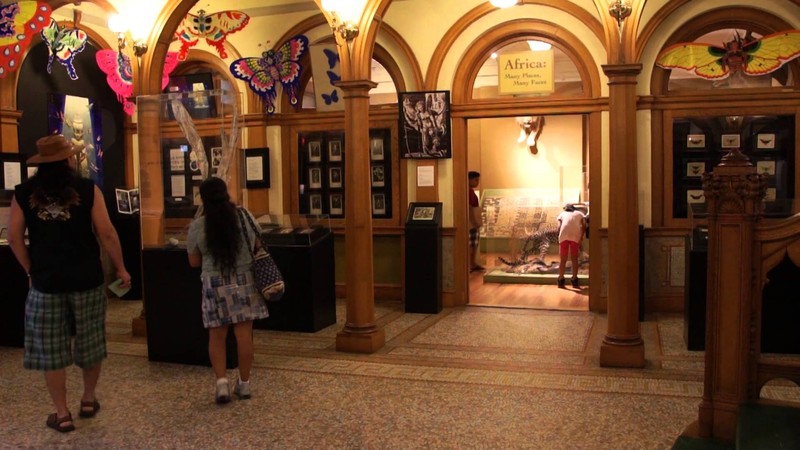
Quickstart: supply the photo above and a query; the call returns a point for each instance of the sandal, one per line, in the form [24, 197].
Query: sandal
[89, 409]
[56, 423]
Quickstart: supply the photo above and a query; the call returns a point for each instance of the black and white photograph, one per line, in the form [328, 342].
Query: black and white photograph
[336, 204]
[766, 167]
[424, 213]
[695, 168]
[378, 204]
[315, 178]
[314, 151]
[378, 176]
[765, 141]
[696, 141]
[424, 124]
[127, 200]
[695, 196]
[376, 149]
[730, 141]
[335, 177]
[216, 156]
[315, 204]
[335, 150]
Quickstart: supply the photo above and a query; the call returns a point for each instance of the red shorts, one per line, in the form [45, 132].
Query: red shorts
[568, 248]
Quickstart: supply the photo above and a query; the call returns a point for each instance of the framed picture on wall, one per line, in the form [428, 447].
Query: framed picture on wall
[376, 149]
[378, 176]
[256, 167]
[315, 178]
[314, 151]
[378, 204]
[695, 168]
[765, 141]
[696, 141]
[695, 196]
[335, 150]
[730, 141]
[424, 124]
[336, 204]
[766, 167]
[335, 177]
[771, 195]
[315, 204]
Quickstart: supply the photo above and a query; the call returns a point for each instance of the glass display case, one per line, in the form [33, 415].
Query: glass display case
[293, 229]
[184, 138]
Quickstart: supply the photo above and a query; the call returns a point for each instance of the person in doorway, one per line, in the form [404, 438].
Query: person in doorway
[571, 226]
[475, 221]
[65, 216]
[216, 243]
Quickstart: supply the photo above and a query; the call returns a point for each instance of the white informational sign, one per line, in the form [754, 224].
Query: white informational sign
[254, 166]
[12, 175]
[425, 176]
[178, 186]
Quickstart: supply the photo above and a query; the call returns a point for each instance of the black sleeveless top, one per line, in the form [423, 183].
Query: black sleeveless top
[64, 252]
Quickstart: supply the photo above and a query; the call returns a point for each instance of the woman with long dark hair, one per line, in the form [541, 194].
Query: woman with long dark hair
[217, 244]
[65, 216]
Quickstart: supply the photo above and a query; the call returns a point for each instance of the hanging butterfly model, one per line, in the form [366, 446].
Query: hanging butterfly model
[214, 27]
[19, 21]
[119, 74]
[746, 55]
[274, 66]
[63, 44]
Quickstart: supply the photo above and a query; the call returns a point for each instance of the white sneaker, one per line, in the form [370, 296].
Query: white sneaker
[242, 389]
[223, 391]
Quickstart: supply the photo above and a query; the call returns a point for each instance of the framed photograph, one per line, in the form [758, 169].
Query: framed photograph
[216, 157]
[376, 149]
[424, 124]
[696, 141]
[378, 204]
[766, 167]
[423, 213]
[315, 178]
[314, 151]
[336, 204]
[256, 167]
[315, 204]
[771, 195]
[335, 177]
[378, 176]
[765, 141]
[177, 158]
[695, 196]
[695, 168]
[335, 150]
[730, 140]
[14, 170]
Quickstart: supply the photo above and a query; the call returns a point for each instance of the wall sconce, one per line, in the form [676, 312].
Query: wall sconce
[503, 3]
[530, 128]
[619, 10]
[133, 32]
[345, 15]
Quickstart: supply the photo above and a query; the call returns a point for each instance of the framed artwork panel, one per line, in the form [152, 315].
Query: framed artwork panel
[695, 196]
[256, 166]
[315, 178]
[315, 204]
[335, 177]
[334, 150]
[376, 149]
[766, 167]
[378, 176]
[695, 168]
[378, 204]
[696, 141]
[730, 140]
[424, 124]
[765, 141]
[314, 151]
[336, 204]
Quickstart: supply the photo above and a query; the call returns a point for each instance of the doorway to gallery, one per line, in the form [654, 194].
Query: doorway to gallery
[530, 167]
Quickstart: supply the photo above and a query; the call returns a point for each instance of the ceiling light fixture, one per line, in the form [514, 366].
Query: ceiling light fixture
[503, 3]
[539, 46]
[345, 15]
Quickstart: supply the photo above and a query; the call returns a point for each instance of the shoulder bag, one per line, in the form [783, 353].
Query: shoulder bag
[268, 278]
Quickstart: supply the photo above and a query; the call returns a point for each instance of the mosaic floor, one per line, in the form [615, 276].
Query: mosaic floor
[468, 377]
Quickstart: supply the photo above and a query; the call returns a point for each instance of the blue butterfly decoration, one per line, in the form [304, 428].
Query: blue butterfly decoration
[274, 66]
[332, 76]
[333, 57]
[333, 98]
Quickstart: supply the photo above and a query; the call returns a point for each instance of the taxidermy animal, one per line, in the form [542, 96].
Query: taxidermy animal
[274, 66]
[536, 245]
[19, 21]
[63, 43]
[746, 55]
[214, 27]
[119, 74]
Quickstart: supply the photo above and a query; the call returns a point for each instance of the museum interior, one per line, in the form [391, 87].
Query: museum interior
[348, 128]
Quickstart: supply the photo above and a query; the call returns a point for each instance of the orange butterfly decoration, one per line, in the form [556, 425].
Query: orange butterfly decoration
[214, 27]
[747, 55]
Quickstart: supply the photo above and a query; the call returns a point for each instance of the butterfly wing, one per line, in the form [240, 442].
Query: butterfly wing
[700, 59]
[332, 56]
[188, 34]
[221, 25]
[170, 62]
[286, 62]
[50, 38]
[18, 23]
[332, 76]
[119, 75]
[69, 43]
[259, 77]
[771, 52]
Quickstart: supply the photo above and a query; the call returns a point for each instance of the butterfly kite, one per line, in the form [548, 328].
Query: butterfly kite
[117, 67]
[19, 21]
[214, 27]
[281, 65]
[747, 55]
[63, 44]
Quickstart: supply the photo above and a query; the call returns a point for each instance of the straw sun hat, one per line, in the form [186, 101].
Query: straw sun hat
[52, 148]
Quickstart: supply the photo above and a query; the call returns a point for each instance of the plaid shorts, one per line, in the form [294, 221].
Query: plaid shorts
[474, 237]
[51, 320]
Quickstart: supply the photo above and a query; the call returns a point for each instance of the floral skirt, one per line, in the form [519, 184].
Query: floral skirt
[231, 299]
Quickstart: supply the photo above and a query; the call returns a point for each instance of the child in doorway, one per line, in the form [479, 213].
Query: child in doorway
[571, 227]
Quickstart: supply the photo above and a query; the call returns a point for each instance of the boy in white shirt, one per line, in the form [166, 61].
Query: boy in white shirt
[571, 227]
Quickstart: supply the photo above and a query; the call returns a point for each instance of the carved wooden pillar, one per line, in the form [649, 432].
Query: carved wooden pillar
[9, 130]
[622, 345]
[734, 193]
[360, 334]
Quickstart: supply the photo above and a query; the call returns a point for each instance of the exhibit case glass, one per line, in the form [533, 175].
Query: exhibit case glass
[293, 229]
[184, 138]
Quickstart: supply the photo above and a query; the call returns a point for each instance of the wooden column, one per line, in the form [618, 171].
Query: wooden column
[151, 190]
[622, 345]
[9, 130]
[360, 334]
[734, 192]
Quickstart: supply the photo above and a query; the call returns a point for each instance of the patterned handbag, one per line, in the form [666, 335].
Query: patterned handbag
[268, 278]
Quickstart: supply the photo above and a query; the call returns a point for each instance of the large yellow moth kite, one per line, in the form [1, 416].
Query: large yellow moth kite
[747, 55]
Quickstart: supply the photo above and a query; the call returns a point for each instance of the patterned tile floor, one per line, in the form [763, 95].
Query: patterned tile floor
[465, 378]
